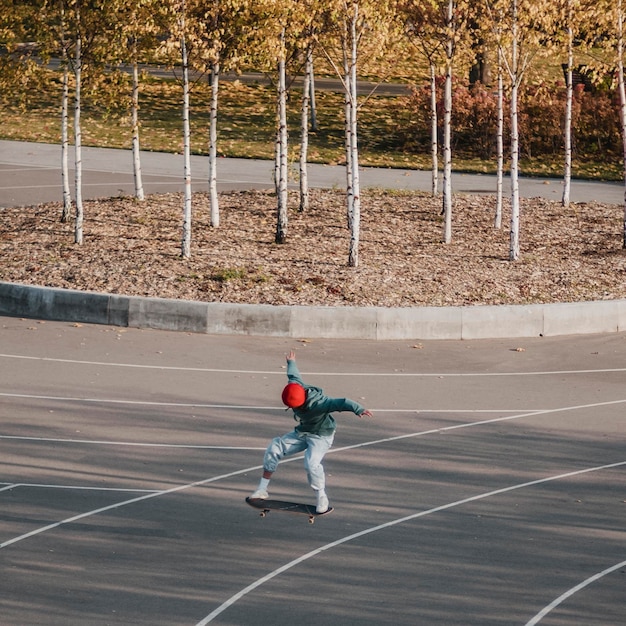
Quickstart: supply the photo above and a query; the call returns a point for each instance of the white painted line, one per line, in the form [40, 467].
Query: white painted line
[7, 487]
[97, 442]
[572, 591]
[240, 407]
[489, 494]
[118, 505]
[307, 374]
[139, 402]
[495, 420]
[79, 487]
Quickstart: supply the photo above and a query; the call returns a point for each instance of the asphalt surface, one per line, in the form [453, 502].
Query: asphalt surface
[30, 173]
[487, 490]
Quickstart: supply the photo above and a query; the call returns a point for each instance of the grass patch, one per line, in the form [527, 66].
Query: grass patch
[246, 128]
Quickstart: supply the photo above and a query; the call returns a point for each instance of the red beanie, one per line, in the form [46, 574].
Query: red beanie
[294, 395]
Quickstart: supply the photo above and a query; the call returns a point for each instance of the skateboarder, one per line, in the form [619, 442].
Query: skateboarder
[314, 434]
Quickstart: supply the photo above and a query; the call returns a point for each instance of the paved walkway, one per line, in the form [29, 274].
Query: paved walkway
[30, 174]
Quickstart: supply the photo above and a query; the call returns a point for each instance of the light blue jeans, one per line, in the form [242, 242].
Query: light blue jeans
[314, 447]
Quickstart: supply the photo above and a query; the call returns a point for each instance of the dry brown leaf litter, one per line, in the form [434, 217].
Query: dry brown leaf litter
[133, 248]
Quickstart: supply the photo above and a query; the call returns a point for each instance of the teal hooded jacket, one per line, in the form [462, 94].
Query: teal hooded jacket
[315, 414]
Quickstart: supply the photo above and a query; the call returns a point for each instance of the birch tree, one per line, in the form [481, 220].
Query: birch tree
[176, 49]
[450, 29]
[83, 31]
[191, 46]
[495, 22]
[312, 16]
[78, 145]
[282, 25]
[187, 196]
[361, 31]
[520, 28]
[223, 30]
[140, 24]
[568, 10]
[282, 147]
[422, 30]
[447, 30]
[65, 94]
[307, 90]
[574, 31]
[49, 30]
[349, 25]
[620, 19]
[499, 141]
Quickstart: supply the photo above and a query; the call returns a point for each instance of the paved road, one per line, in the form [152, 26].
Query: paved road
[322, 83]
[30, 174]
[488, 484]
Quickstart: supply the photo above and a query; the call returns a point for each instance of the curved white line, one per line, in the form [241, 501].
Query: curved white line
[401, 520]
[494, 420]
[282, 372]
[191, 405]
[571, 592]
[196, 405]
[78, 488]
[97, 442]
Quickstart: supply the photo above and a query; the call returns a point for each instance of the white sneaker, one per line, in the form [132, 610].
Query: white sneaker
[322, 502]
[259, 494]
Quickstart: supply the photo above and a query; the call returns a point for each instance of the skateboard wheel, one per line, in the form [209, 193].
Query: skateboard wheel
[311, 520]
[262, 514]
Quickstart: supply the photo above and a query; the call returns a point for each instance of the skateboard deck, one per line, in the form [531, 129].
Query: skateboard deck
[265, 506]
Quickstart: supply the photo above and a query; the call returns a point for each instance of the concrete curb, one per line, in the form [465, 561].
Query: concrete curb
[378, 323]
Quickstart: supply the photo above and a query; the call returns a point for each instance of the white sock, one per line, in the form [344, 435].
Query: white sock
[264, 483]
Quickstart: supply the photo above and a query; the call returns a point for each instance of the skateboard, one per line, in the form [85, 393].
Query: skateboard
[265, 506]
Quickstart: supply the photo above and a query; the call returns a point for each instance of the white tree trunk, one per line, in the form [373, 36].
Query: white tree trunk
[347, 127]
[186, 238]
[622, 97]
[499, 145]
[213, 197]
[65, 95]
[282, 143]
[447, 158]
[434, 140]
[139, 193]
[65, 175]
[304, 131]
[78, 171]
[447, 132]
[353, 257]
[514, 247]
[312, 96]
[567, 174]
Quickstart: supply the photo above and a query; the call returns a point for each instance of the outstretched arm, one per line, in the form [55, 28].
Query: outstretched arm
[293, 374]
[340, 404]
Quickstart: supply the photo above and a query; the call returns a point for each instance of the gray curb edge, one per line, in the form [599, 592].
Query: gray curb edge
[377, 323]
